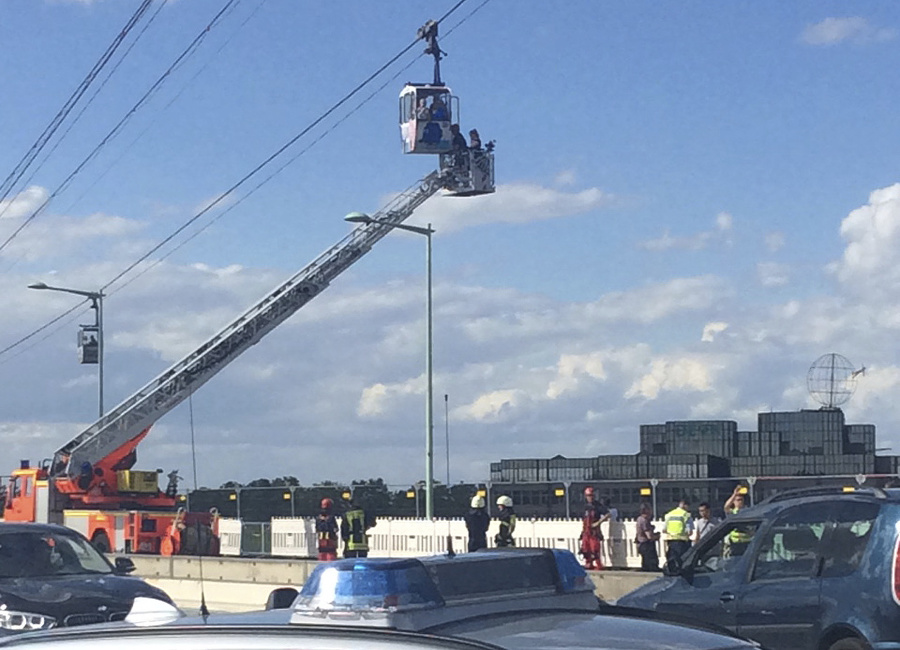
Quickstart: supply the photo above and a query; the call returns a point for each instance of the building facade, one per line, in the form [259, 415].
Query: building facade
[702, 460]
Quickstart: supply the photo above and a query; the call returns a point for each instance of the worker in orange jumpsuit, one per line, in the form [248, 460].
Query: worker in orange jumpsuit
[591, 535]
[327, 531]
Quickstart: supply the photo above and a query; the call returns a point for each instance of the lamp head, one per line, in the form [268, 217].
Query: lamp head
[358, 217]
[38, 285]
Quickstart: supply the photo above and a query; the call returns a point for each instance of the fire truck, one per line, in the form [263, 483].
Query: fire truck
[90, 485]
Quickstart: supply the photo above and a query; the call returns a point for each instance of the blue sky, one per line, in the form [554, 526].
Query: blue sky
[694, 202]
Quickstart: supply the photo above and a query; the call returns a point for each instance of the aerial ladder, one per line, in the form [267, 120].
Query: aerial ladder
[89, 483]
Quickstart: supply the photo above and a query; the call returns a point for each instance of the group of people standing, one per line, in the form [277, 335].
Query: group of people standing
[478, 521]
[355, 522]
[353, 527]
[682, 530]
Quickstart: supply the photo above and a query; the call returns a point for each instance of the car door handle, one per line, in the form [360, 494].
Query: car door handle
[726, 597]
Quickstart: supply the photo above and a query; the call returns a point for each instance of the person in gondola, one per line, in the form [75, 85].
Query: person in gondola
[474, 140]
[423, 113]
[439, 110]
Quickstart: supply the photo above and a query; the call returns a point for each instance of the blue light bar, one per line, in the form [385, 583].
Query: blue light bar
[415, 594]
[572, 575]
[368, 585]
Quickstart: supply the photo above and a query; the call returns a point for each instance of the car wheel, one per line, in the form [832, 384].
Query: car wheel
[100, 541]
[849, 643]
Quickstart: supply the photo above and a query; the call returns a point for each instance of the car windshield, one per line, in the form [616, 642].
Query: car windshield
[48, 553]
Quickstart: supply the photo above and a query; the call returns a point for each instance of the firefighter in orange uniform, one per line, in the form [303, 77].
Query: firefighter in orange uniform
[591, 535]
[327, 531]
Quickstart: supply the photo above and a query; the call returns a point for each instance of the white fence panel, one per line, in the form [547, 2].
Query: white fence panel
[229, 536]
[402, 537]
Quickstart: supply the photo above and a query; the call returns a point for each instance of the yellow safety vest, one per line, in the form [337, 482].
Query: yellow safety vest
[739, 535]
[356, 523]
[677, 524]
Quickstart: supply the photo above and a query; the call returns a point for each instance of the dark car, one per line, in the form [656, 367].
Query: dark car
[500, 599]
[51, 576]
[813, 569]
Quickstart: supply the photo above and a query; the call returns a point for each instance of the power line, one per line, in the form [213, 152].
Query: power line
[13, 178]
[93, 96]
[115, 130]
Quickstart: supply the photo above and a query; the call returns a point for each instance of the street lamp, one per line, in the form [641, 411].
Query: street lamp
[359, 217]
[96, 298]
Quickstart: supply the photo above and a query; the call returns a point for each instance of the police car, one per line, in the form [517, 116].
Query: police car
[519, 598]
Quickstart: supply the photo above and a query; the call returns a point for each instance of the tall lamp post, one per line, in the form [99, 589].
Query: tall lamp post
[359, 217]
[96, 298]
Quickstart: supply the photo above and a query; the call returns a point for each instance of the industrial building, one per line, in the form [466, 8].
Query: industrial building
[702, 460]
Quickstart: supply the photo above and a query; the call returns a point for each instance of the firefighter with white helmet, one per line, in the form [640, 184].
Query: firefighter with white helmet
[507, 519]
[326, 531]
[477, 522]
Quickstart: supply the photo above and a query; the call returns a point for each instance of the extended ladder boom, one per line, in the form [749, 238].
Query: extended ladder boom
[137, 413]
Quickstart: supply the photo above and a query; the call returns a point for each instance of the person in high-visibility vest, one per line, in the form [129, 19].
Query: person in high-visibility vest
[678, 527]
[739, 538]
[354, 524]
[326, 532]
[507, 519]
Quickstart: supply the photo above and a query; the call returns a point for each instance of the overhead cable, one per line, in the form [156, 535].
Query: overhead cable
[13, 178]
[115, 130]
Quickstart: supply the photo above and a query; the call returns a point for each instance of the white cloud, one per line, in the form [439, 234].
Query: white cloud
[511, 203]
[24, 203]
[710, 330]
[853, 29]
[724, 222]
[494, 406]
[719, 233]
[682, 374]
[872, 235]
[772, 274]
[570, 367]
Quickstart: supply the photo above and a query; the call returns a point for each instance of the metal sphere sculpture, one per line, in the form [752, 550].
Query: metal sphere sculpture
[831, 380]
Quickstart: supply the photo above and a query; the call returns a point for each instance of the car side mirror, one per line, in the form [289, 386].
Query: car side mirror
[673, 567]
[282, 598]
[124, 565]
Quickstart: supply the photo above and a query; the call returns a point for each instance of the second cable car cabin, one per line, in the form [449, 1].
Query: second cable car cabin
[89, 344]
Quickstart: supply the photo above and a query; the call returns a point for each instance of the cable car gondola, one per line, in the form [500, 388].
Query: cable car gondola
[429, 118]
[89, 344]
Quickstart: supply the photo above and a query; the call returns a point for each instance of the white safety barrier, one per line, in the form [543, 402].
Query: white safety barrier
[229, 536]
[403, 537]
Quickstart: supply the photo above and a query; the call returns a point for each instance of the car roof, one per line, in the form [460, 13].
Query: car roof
[247, 637]
[613, 628]
[784, 500]
[30, 527]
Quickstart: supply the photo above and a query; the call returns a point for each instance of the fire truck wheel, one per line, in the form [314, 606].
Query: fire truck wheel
[100, 540]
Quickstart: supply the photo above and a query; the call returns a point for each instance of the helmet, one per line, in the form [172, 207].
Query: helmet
[326, 504]
[505, 501]
[588, 491]
[477, 501]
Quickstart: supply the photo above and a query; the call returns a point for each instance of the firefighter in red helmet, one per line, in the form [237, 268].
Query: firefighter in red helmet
[327, 531]
[591, 535]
